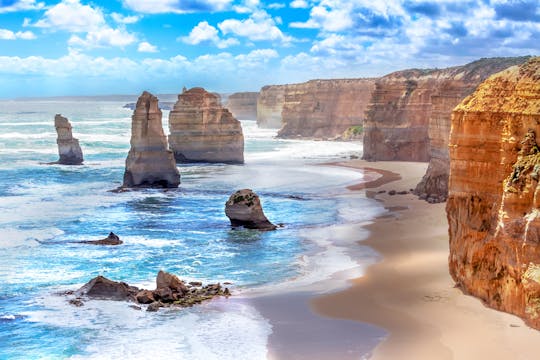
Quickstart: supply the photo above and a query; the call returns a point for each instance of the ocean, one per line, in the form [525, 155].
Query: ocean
[46, 209]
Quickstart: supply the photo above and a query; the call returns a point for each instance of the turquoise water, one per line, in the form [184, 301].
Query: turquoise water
[46, 209]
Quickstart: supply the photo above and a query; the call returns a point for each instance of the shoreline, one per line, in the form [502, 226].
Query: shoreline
[410, 293]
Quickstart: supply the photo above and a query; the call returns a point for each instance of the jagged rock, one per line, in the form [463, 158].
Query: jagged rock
[243, 105]
[244, 209]
[105, 289]
[164, 280]
[69, 149]
[111, 239]
[150, 163]
[203, 131]
[145, 297]
[494, 193]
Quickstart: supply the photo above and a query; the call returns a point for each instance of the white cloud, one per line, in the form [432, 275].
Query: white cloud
[72, 16]
[121, 19]
[299, 4]
[21, 5]
[10, 35]
[275, 6]
[103, 38]
[147, 47]
[175, 6]
[259, 26]
[205, 32]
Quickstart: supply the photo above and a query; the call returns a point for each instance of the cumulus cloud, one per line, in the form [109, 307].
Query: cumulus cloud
[121, 19]
[102, 38]
[205, 32]
[259, 26]
[20, 5]
[147, 47]
[72, 16]
[10, 35]
[175, 6]
[299, 4]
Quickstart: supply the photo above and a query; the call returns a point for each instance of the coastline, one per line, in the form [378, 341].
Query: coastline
[410, 292]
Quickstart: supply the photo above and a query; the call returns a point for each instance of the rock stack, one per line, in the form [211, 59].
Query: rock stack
[150, 163]
[243, 105]
[244, 209]
[494, 193]
[203, 131]
[69, 149]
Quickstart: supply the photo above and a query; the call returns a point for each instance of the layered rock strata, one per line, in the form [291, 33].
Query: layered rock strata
[400, 113]
[149, 163]
[243, 105]
[494, 193]
[449, 93]
[269, 106]
[244, 209]
[324, 108]
[69, 149]
[204, 131]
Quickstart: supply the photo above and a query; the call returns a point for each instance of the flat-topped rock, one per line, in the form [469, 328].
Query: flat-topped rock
[69, 149]
[243, 105]
[201, 130]
[150, 163]
[244, 209]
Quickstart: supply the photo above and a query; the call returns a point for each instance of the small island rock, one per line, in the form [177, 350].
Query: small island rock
[111, 239]
[69, 149]
[244, 209]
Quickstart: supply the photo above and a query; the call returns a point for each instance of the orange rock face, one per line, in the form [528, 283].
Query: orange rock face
[324, 108]
[493, 206]
[243, 105]
[269, 106]
[204, 131]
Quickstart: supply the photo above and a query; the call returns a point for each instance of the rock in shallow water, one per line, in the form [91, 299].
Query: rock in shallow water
[69, 149]
[244, 209]
[111, 239]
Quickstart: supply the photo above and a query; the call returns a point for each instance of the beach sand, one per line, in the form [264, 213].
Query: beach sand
[410, 292]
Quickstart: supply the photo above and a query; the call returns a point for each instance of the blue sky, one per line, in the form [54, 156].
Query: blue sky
[81, 47]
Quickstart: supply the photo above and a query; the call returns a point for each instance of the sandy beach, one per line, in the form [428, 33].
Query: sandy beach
[410, 293]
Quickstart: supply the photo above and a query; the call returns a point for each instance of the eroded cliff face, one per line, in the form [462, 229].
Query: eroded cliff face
[494, 197]
[324, 108]
[69, 150]
[149, 163]
[406, 104]
[204, 131]
[243, 105]
[450, 91]
[269, 106]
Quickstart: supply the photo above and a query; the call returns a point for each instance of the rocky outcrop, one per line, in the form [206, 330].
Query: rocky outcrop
[111, 239]
[244, 209]
[203, 131]
[450, 91]
[324, 108]
[400, 112]
[170, 291]
[494, 194]
[243, 105]
[269, 106]
[69, 149]
[150, 163]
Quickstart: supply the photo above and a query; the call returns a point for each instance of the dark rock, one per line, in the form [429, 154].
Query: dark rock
[381, 191]
[76, 302]
[153, 307]
[392, 192]
[404, 192]
[164, 294]
[195, 283]
[105, 289]
[112, 239]
[170, 281]
[145, 297]
[244, 209]
[135, 307]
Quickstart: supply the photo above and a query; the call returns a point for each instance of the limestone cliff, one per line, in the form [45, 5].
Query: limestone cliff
[401, 109]
[150, 163]
[203, 131]
[324, 108]
[494, 194]
[270, 105]
[69, 149]
[243, 105]
[450, 92]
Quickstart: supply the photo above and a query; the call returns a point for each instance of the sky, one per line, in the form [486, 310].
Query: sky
[85, 47]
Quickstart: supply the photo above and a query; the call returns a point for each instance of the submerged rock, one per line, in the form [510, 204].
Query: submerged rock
[150, 163]
[111, 239]
[69, 149]
[244, 209]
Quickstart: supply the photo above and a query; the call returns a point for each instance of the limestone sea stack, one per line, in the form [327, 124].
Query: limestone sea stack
[450, 92]
[243, 105]
[69, 149]
[150, 163]
[201, 130]
[244, 209]
[494, 193]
